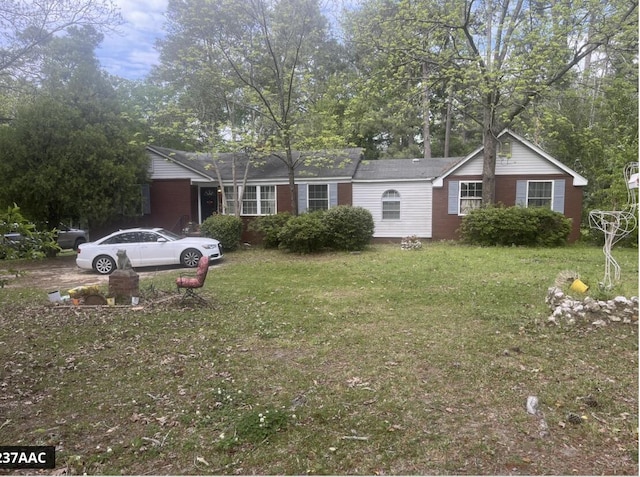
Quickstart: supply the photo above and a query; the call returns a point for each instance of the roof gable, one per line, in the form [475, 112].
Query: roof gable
[578, 180]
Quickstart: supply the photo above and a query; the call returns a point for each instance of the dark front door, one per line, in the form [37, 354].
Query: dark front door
[208, 202]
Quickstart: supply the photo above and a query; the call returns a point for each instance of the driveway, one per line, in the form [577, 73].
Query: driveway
[61, 273]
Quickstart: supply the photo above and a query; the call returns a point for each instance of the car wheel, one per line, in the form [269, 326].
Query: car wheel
[190, 257]
[104, 264]
[78, 242]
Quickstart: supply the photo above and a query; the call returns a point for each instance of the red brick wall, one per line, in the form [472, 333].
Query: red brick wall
[170, 200]
[445, 225]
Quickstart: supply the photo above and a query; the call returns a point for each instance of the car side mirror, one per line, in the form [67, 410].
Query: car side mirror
[161, 240]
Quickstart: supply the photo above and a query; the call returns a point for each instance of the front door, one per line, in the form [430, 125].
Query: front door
[208, 202]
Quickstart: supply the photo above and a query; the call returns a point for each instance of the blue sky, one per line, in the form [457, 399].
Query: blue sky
[130, 52]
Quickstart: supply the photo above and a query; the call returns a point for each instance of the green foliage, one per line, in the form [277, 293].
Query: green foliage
[339, 228]
[31, 244]
[269, 227]
[225, 228]
[537, 226]
[67, 154]
[305, 233]
[348, 228]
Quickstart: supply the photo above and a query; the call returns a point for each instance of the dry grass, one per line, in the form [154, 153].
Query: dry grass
[386, 362]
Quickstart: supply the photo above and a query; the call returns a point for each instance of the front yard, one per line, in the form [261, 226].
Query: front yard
[383, 362]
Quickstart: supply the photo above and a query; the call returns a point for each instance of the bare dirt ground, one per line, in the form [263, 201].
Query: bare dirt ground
[61, 273]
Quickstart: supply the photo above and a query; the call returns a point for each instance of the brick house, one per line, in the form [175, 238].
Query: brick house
[427, 198]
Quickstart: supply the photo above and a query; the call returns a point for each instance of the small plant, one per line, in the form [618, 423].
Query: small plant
[225, 228]
[255, 426]
[411, 243]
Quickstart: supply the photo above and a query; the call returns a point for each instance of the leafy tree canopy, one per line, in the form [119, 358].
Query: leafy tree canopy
[68, 154]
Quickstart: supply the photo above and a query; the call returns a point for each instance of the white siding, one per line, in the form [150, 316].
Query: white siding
[415, 207]
[523, 161]
[161, 168]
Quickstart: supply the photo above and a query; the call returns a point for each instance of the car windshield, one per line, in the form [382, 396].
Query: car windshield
[170, 235]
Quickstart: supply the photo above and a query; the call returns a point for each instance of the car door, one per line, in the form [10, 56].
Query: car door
[155, 250]
[128, 241]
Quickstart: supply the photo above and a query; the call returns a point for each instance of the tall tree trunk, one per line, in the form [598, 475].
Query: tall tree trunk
[489, 156]
[447, 126]
[291, 170]
[426, 110]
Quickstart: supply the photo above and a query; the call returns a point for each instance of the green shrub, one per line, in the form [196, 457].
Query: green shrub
[269, 227]
[225, 228]
[305, 233]
[348, 228]
[536, 226]
[29, 243]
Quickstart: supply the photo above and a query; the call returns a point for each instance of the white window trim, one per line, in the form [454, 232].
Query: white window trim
[553, 185]
[258, 199]
[394, 199]
[460, 212]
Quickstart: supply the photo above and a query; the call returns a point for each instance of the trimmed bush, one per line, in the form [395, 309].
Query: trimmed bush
[227, 229]
[305, 233]
[522, 226]
[348, 228]
[269, 227]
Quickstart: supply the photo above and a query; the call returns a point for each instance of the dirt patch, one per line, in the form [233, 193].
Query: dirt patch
[61, 273]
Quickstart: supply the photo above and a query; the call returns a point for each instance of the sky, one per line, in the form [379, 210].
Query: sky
[130, 52]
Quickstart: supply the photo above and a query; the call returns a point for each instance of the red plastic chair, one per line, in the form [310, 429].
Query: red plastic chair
[190, 283]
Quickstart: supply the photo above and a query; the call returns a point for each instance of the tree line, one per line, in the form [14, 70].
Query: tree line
[398, 78]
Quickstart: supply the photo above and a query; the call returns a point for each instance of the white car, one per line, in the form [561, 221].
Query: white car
[145, 248]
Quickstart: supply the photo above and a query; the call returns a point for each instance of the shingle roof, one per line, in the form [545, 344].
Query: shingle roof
[403, 169]
[329, 164]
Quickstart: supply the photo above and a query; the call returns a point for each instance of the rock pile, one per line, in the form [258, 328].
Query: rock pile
[596, 312]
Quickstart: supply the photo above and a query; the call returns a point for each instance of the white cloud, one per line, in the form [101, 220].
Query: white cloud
[130, 52]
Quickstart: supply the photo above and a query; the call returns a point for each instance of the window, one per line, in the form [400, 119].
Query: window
[149, 237]
[230, 205]
[318, 197]
[126, 237]
[267, 200]
[470, 196]
[504, 149]
[539, 193]
[256, 200]
[250, 201]
[391, 205]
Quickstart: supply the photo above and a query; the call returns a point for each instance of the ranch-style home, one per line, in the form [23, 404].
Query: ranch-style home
[426, 198]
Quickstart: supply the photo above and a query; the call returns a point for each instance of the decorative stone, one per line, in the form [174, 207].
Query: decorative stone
[598, 313]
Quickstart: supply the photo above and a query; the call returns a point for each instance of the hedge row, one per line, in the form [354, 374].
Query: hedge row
[339, 228]
[536, 226]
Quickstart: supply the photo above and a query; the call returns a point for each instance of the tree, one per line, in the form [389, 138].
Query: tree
[27, 27]
[68, 153]
[266, 59]
[512, 52]
[398, 57]
[504, 55]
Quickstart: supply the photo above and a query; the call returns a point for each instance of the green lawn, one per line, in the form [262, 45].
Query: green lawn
[384, 362]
